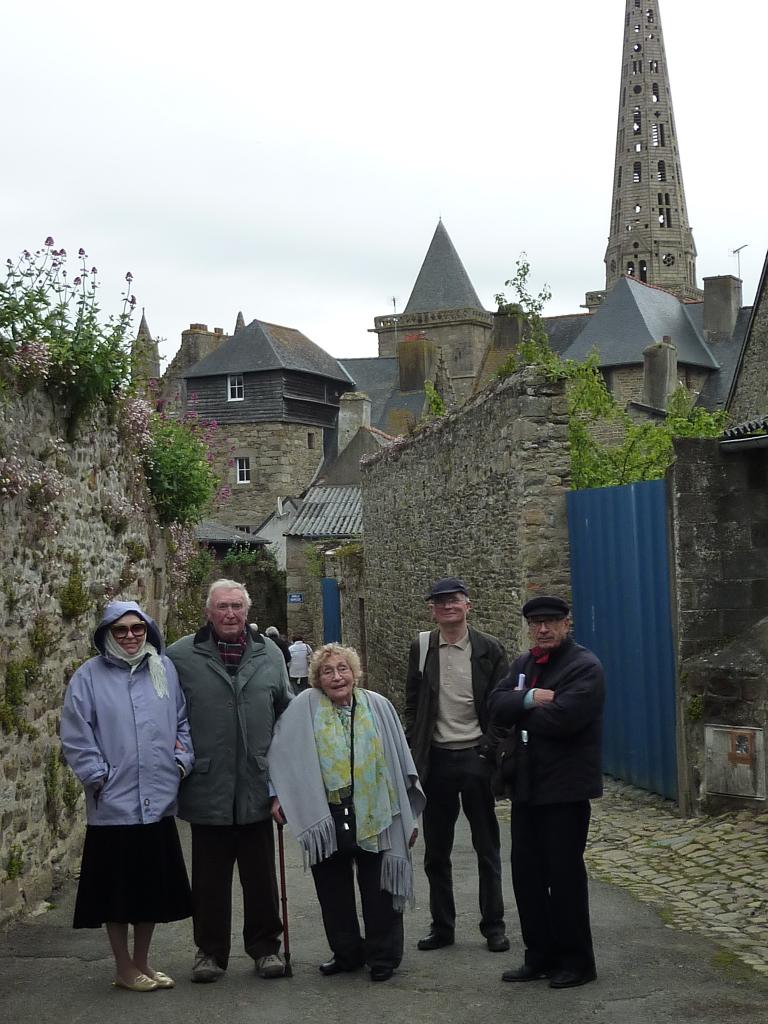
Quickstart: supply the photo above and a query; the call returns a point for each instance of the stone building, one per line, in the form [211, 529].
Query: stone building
[275, 396]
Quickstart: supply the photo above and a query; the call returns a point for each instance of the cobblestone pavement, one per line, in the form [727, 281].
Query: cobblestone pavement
[703, 875]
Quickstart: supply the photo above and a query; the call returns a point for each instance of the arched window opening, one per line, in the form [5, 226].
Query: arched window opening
[618, 178]
[637, 121]
[655, 92]
[643, 271]
[630, 269]
[653, 65]
[654, 134]
[637, 172]
[662, 138]
[638, 207]
[649, 15]
[662, 170]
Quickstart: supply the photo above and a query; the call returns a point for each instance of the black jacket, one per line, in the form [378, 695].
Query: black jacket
[489, 666]
[562, 760]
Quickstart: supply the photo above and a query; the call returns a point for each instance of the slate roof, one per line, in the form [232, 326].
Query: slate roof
[714, 393]
[261, 346]
[442, 283]
[210, 532]
[739, 430]
[562, 330]
[330, 512]
[379, 378]
[635, 315]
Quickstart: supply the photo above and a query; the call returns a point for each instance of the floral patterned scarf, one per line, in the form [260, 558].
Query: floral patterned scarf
[375, 798]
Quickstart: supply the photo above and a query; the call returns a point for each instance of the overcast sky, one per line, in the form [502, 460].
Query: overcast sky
[291, 160]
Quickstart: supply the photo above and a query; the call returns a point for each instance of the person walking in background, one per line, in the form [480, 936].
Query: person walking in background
[298, 667]
[236, 687]
[274, 634]
[346, 784]
[552, 703]
[446, 722]
[124, 733]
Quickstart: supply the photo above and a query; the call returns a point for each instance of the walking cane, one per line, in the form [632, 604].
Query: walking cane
[284, 904]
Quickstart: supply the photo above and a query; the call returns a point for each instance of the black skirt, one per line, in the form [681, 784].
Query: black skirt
[131, 874]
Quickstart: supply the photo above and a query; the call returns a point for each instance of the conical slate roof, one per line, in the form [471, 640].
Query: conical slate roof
[443, 283]
[261, 346]
[143, 331]
[635, 315]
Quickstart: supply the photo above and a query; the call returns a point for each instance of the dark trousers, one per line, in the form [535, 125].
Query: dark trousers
[215, 850]
[550, 882]
[461, 778]
[335, 886]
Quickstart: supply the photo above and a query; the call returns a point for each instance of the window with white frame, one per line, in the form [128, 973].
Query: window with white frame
[235, 387]
[243, 470]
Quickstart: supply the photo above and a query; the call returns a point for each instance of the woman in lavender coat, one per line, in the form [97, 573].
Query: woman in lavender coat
[125, 735]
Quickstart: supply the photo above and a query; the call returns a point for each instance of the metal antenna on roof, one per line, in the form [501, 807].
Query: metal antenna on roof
[737, 254]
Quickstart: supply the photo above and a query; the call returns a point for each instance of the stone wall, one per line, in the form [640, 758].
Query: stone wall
[750, 389]
[719, 510]
[281, 463]
[62, 555]
[304, 567]
[479, 494]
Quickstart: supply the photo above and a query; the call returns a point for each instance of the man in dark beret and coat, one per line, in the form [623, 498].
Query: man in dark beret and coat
[550, 764]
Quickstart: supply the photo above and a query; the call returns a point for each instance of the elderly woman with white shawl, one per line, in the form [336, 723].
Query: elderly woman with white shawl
[346, 786]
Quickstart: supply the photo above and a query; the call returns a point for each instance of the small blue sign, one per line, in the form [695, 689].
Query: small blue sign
[295, 599]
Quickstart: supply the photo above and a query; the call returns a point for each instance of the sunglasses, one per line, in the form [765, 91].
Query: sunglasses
[137, 629]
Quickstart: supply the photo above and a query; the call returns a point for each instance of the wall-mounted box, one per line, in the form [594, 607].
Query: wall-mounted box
[735, 761]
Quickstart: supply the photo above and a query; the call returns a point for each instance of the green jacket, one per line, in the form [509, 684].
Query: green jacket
[231, 719]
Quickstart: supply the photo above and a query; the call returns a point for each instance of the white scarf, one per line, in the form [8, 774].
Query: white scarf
[156, 666]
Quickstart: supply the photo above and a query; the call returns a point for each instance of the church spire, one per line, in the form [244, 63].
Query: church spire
[650, 237]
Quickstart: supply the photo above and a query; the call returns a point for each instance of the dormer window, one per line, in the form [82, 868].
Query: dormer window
[235, 388]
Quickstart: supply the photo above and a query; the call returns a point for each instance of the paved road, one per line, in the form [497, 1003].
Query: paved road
[650, 973]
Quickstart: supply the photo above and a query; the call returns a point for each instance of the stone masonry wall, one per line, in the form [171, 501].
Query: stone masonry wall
[719, 511]
[96, 540]
[281, 461]
[720, 541]
[478, 494]
[751, 386]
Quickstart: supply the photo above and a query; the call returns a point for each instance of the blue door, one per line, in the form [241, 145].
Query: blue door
[621, 607]
[331, 611]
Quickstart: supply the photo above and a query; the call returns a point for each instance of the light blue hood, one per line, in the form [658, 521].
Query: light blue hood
[116, 610]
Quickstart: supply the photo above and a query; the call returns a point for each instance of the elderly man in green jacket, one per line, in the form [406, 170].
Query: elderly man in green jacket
[236, 686]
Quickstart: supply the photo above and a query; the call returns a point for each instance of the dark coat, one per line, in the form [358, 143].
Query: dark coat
[562, 760]
[489, 666]
[232, 718]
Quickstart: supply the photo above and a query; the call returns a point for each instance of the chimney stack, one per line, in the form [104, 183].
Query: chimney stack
[722, 302]
[354, 412]
[659, 373]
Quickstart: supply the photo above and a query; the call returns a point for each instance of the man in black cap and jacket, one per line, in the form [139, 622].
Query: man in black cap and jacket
[552, 703]
[451, 672]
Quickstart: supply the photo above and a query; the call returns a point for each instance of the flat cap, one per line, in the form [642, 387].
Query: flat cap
[447, 585]
[554, 606]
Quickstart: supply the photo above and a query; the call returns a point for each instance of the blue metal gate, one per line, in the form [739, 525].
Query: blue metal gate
[621, 606]
[331, 611]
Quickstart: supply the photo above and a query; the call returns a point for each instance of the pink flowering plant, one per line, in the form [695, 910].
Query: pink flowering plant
[52, 333]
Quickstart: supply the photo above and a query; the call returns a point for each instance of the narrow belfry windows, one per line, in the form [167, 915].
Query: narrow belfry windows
[637, 172]
[618, 178]
[653, 65]
[637, 28]
[655, 92]
[637, 121]
[643, 271]
[662, 139]
[662, 170]
[637, 67]
[654, 134]
[649, 15]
